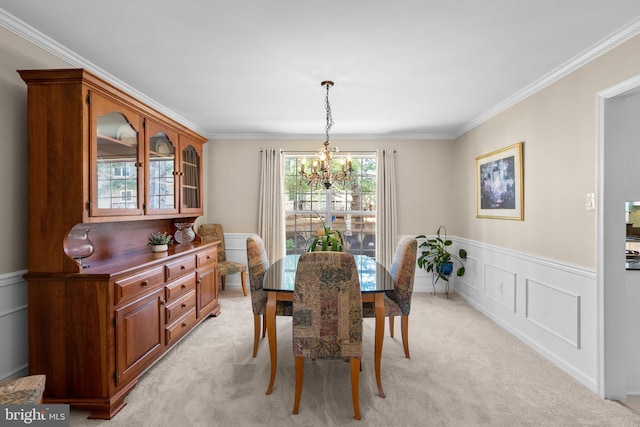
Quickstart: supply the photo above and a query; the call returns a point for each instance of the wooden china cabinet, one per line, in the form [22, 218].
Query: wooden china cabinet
[103, 163]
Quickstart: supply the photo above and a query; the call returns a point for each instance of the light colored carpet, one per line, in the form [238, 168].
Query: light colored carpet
[464, 371]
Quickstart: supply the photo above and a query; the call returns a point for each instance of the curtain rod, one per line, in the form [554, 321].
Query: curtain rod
[314, 151]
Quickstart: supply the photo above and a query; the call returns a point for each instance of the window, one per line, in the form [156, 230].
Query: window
[350, 208]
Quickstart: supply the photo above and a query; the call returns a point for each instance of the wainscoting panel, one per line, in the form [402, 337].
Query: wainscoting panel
[14, 356]
[500, 286]
[549, 305]
[236, 250]
[554, 310]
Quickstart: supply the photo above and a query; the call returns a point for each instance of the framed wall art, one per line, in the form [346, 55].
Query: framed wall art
[499, 184]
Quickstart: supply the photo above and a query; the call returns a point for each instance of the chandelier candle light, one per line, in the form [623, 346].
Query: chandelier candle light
[322, 167]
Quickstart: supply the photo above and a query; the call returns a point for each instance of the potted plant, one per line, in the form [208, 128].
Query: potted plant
[326, 239]
[436, 258]
[159, 241]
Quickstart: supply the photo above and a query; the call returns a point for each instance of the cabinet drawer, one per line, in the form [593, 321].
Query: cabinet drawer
[179, 287]
[181, 326]
[179, 267]
[207, 257]
[131, 286]
[180, 307]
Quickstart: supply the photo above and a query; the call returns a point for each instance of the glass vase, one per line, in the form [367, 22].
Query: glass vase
[79, 246]
[184, 232]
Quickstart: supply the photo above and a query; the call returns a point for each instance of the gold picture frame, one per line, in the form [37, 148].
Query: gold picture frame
[500, 184]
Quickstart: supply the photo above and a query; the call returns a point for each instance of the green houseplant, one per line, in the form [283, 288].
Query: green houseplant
[436, 258]
[159, 241]
[326, 239]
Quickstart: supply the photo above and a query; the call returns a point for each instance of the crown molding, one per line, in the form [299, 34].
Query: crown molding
[46, 43]
[336, 137]
[608, 43]
[39, 39]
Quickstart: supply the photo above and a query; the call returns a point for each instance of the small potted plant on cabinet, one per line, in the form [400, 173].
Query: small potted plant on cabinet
[160, 242]
[435, 257]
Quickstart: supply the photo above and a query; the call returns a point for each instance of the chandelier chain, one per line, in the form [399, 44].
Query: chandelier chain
[329, 116]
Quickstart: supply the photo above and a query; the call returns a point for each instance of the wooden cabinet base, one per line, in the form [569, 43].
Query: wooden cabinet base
[94, 334]
[99, 409]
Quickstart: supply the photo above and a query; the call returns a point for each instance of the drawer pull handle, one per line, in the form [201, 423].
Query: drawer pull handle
[184, 305]
[144, 283]
[184, 325]
[182, 267]
[183, 286]
[208, 257]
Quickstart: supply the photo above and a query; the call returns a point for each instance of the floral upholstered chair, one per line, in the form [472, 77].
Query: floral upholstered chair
[210, 232]
[327, 316]
[258, 265]
[22, 391]
[398, 301]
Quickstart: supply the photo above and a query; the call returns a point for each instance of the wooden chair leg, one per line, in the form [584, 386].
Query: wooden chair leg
[299, 379]
[243, 278]
[222, 282]
[256, 333]
[404, 326]
[355, 385]
[391, 325]
[264, 325]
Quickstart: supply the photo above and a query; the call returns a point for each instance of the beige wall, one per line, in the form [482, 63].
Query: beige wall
[436, 179]
[422, 167]
[15, 54]
[558, 127]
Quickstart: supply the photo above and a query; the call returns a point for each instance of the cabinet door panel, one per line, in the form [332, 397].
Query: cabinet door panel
[117, 173]
[190, 176]
[162, 174]
[138, 335]
[207, 290]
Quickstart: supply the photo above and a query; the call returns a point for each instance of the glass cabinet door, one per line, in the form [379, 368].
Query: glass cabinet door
[117, 172]
[162, 181]
[190, 176]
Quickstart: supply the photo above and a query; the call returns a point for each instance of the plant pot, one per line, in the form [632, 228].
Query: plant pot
[446, 269]
[159, 248]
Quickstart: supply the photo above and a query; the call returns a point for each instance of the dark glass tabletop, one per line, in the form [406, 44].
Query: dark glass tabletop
[281, 275]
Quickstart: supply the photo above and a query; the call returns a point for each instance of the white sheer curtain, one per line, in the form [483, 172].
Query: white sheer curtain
[271, 226]
[386, 229]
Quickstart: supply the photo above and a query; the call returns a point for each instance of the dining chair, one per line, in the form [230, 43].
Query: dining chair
[258, 264]
[327, 316]
[398, 301]
[210, 232]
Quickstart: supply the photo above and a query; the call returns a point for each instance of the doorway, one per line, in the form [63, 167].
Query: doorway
[618, 289]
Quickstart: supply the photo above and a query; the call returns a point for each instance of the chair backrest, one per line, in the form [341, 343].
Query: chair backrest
[403, 268]
[210, 232]
[258, 265]
[327, 307]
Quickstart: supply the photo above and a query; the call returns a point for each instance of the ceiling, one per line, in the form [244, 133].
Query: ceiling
[236, 69]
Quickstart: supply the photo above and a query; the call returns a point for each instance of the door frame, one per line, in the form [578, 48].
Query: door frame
[611, 332]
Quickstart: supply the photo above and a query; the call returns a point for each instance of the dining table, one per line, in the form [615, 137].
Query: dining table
[279, 283]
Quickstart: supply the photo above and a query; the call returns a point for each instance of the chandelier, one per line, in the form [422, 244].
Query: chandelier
[322, 167]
